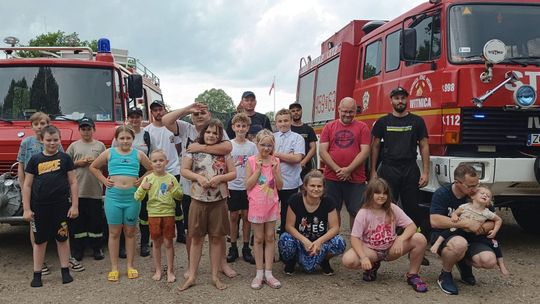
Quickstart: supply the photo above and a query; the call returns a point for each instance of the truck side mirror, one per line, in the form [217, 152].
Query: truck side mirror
[408, 44]
[135, 86]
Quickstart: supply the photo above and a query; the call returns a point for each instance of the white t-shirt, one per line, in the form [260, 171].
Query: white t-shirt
[162, 138]
[239, 155]
[188, 134]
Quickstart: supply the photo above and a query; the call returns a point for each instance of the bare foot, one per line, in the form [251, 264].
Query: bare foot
[187, 284]
[171, 278]
[157, 275]
[219, 285]
[504, 270]
[434, 249]
[228, 271]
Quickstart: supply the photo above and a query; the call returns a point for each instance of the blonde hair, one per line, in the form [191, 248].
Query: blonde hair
[158, 151]
[263, 134]
[241, 117]
[482, 186]
[38, 116]
[283, 112]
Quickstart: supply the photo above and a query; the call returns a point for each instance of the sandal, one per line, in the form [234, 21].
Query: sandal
[74, 265]
[371, 275]
[132, 273]
[416, 282]
[256, 283]
[273, 282]
[113, 276]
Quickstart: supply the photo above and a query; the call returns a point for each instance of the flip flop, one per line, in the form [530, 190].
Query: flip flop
[113, 276]
[132, 273]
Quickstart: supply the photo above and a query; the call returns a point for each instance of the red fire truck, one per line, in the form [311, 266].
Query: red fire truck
[67, 83]
[471, 69]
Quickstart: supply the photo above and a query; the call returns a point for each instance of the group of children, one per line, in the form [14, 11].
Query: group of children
[245, 182]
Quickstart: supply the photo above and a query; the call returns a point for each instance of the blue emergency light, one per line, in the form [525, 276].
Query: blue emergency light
[104, 45]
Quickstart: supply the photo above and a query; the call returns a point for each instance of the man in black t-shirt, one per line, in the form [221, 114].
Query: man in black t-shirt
[402, 132]
[248, 104]
[309, 136]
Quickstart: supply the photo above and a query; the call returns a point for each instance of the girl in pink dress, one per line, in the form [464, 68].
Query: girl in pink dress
[263, 180]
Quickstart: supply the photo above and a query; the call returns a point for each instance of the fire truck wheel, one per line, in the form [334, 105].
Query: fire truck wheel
[526, 215]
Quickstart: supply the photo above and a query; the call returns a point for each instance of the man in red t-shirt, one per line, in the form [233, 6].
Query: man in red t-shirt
[344, 149]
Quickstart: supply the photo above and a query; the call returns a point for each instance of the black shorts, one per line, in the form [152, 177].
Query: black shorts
[50, 221]
[473, 249]
[238, 200]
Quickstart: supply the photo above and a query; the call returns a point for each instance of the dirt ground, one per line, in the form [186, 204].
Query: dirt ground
[521, 251]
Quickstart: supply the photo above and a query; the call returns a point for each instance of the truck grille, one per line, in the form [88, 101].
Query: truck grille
[495, 126]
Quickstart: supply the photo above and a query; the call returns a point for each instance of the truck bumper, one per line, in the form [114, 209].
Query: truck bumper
[506, 176]
[13, 220]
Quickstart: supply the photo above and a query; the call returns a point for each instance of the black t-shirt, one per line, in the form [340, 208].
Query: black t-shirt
[315, 224]
[257, 119]
[401, 136]
[50, 184]
[309, 136]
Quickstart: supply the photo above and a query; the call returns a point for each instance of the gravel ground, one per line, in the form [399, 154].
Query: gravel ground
[90, 286]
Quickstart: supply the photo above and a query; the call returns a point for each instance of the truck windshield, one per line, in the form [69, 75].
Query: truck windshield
[472, 25]
[63, 92]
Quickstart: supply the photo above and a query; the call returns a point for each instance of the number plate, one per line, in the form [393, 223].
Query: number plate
[533, 140]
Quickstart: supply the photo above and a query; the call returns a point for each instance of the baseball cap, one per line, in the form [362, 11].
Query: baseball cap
[86, 121]
[295, 105]
[399, 91]
[134, 110]
[157, 103]
[248, 94]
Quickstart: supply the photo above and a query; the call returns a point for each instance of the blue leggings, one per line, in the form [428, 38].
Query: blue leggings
[121, 208]
[292, 249]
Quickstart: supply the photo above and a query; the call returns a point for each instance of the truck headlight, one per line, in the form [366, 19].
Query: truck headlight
[525, 96]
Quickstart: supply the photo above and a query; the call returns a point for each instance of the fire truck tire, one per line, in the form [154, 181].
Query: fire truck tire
[526, 215]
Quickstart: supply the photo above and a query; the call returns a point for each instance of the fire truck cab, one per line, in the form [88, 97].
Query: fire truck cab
[471, 69]
[68, 83]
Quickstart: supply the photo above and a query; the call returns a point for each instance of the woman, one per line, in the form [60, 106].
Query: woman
[121, 208]
[312, 228]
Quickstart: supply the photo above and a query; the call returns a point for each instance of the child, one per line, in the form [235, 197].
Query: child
[29, 146]
[238, 202]
[477, 210]
[163, 190]
[263, 180]
[290, 149]
[374, 238]
[209, 174]
[89, 225]
[49, 179]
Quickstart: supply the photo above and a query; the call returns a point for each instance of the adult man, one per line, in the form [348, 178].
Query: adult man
[188, 134]
[309, 136]
[402, 132]
[344, 148]
[455, 250]
[248, 104]
[166, 140]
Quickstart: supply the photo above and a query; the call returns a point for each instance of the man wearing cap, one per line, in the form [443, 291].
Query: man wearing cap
[344, 149]
[163, 138]
[141, 142]
[248, 104]
[88, 227]
[401, 132]
[307, 133]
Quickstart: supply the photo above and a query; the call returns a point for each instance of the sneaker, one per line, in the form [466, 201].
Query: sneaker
[77, 254]
[465, 270]
[371, 275]
[181, 238]
[45, 269]
[145, 250]
[416, 282]
[232, 255]
[289, 267]
[447, 284]
[248, 257]
[326, 269]
[75, 265]
[98, 254]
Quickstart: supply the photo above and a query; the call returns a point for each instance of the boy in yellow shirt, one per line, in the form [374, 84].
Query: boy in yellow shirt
[162, 189]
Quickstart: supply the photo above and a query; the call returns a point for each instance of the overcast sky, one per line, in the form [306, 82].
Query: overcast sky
[197, 45]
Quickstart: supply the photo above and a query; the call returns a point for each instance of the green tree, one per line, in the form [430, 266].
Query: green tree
[44, 94]
[270, 115]
[216, 100]
[58, 38]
